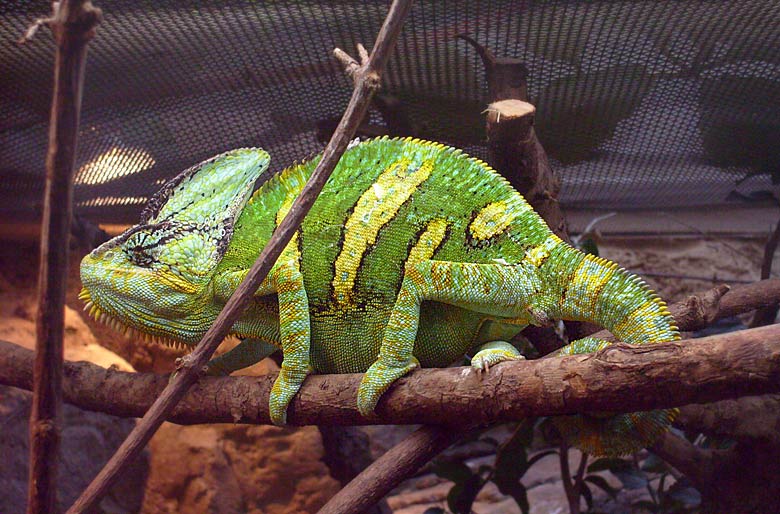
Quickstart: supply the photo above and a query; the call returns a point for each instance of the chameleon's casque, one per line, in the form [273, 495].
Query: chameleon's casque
[414, 254]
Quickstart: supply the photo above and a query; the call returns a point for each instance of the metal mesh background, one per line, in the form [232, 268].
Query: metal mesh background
[640, 104]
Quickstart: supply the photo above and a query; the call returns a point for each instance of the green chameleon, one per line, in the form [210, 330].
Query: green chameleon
[413, 255]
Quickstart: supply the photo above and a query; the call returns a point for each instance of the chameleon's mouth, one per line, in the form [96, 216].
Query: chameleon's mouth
[116, 324]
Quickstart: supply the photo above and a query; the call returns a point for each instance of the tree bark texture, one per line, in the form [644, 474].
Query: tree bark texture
[620, 378]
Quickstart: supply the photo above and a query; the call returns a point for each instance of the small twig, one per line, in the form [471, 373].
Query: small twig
[37, 24]
[575, 240]
[73, 23]
[366, 82]
[391, 469]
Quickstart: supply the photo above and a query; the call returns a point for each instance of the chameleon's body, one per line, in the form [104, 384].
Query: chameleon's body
[414, 252]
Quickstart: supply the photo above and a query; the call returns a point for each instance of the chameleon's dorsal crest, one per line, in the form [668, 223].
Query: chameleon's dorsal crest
[206, 200]
[217, 188]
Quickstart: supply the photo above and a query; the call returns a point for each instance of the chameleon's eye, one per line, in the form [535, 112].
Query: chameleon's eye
[139, 257]
[138, 252]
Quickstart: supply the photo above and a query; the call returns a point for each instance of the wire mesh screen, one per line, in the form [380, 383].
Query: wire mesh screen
[639, 104]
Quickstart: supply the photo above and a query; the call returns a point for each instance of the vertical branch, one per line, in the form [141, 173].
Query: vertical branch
[73, 24]
[366, 76]
[516, 153]
[767, 315]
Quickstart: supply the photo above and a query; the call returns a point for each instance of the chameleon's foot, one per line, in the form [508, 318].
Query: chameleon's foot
[286, 386]
[377, 380]
[492, 353]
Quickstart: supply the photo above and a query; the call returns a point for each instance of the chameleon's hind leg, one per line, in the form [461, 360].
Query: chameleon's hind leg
[607, 433]
[494, 289]
[493, 346]
[492, 353]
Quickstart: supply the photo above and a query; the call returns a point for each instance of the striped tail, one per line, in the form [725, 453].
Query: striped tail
[599, 291]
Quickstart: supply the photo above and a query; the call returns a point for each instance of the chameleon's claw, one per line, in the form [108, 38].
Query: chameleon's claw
[377, 380]
[492, 353]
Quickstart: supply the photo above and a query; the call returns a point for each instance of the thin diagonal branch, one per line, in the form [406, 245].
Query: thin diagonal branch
[366, 83]
[392, 468]
[73, 25]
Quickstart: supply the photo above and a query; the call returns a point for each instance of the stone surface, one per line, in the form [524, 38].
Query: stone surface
[88, 440]
[226, 468]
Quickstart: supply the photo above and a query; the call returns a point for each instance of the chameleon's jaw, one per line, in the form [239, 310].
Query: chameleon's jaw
[116, 324]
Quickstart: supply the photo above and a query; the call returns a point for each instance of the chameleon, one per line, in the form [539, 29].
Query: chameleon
[414, 254]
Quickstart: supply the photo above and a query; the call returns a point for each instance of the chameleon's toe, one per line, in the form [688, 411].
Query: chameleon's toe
[285, 388]
[377, 380]
[492, 353]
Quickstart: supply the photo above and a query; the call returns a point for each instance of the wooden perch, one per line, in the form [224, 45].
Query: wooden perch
[517, 153]
[621, 378]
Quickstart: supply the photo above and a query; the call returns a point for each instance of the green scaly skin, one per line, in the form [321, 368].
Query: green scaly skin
[414, 254]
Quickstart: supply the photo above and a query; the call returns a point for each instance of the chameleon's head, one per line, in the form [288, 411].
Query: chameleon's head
[155, 277]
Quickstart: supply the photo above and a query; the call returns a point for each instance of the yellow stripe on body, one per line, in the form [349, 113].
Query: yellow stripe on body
[376, 207]
[429, 241]
[492, 220]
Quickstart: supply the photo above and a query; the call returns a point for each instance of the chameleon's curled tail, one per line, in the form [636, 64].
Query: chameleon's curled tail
[600, 292]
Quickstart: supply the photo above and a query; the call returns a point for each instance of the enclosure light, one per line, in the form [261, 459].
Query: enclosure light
[112, 164]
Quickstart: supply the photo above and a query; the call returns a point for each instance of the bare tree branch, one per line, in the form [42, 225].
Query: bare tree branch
[620, 378]
[398, 463]
[367, 78]
[73, 25]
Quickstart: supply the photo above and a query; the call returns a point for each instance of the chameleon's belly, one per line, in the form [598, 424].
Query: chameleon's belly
[348, 341]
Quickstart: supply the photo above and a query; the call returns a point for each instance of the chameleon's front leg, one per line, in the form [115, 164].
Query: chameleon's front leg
[395, 355]
[295, 332]
[286, 281]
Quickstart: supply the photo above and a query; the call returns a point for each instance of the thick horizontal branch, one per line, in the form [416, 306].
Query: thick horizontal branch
[620, 378]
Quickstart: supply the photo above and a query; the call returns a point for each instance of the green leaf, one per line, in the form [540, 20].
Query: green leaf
[609, 463]
[518, 492]
[512, 457]
[631, 478]
[654, 464]
[602, 484]
[456, 472]
[461, 496]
